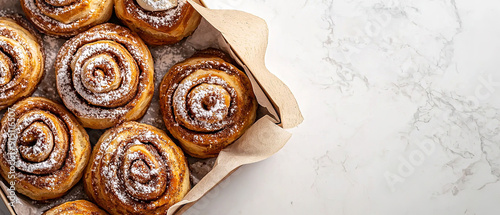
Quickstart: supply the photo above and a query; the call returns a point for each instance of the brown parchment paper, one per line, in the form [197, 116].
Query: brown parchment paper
[242, 35]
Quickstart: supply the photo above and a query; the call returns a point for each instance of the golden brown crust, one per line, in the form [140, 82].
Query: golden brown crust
[67, 18]
[21, 60]
[158, 27]
[105, 76]
[206, 103]
[80, 207]
[49, 146]
[136, 169]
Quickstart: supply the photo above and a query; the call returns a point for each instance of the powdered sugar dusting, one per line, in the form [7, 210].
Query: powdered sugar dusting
[209, 103]
[215, 98]
[157, 19]
[20, 57]
[52, 15]
[56, 158]
[157, 5]
[197, 120]
[44, 151]
[134, 168]
[90, 58]
[85, 104]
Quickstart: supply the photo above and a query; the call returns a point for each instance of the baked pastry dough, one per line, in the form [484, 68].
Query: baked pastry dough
[136, 169]
[67, 18]
[80, 207]
[44, 149]
[206, 103]
[159, 27]
[105, 76]
[21, 59]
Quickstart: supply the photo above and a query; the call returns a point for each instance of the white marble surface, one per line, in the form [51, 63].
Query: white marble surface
[401, 103]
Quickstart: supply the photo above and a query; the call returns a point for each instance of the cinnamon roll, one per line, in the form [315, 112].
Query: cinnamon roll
[105, 76]
[136, 169]
[21, 60]
[43, 149]
[67, 18]
[76, 207]
[206, 103]
[158, 22]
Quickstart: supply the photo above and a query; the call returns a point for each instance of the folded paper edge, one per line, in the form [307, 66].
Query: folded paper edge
[264, 123]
